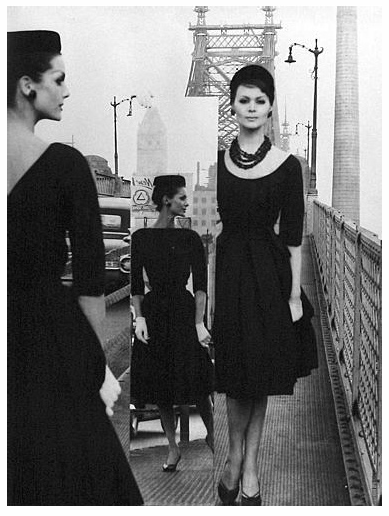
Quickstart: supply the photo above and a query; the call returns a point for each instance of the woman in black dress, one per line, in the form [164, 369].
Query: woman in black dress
[262, 330]
[62, 447]
[170, 361]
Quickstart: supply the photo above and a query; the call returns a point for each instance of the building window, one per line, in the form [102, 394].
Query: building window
[195, 222]
[195, 200]
[195, 211]
[203, 222]
[214, 223]
[203, 199]
[213, 211]
[213, 199]
[203, 211]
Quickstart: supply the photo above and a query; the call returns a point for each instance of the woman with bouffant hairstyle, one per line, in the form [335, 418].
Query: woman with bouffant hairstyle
[262, 328]
[62, 447]
[170, 360]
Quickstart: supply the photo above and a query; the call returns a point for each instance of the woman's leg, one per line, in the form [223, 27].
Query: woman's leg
[205, 408]
[250, 485]
[238, 416]
[169, 426]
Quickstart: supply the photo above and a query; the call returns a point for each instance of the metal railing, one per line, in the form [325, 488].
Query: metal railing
[349, 259]
[112, 186]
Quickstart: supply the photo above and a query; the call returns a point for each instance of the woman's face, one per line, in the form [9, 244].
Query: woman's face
[179, 203]
[51, 91]
[251, 106]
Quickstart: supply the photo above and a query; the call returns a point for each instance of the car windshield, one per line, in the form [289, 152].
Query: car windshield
[110, 222]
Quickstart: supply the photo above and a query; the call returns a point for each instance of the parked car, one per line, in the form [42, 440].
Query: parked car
[115, 220]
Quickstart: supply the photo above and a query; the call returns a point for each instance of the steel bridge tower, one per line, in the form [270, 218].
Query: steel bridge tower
[219, 51]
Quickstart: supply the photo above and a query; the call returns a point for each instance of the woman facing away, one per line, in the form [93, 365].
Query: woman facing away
[62, 447]
[170, 360]
[262, 331]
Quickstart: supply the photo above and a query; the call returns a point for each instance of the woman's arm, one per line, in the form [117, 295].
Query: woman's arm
[82, 214]
[141, 331]
[202, 332]
[295, 293]
[137, 302]
[199, 272]
[200, 301]
[94, 310]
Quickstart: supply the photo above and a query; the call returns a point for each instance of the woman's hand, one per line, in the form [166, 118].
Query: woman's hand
[203, 335]
[110, 391]
[296, 308]
[141, 330]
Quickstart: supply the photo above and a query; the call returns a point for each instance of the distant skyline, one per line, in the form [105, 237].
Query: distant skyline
[124, 51]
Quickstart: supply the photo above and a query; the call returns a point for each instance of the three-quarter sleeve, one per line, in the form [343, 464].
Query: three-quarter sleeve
[292, 210]
[84, 226]
[198, 264]
[137, 281]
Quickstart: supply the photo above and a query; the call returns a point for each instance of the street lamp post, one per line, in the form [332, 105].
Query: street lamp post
[308, 127]
[115, 104]
[316, 52]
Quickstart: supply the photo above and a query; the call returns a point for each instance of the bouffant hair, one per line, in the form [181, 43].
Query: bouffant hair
[253, 75]
[166, 185]
[29, 53]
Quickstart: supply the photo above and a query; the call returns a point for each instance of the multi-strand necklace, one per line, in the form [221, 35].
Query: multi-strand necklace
[246, 160]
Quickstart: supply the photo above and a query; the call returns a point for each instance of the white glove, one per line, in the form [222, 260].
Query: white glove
[296, 308]
[141, 330]
[110, 391]
[203, 334]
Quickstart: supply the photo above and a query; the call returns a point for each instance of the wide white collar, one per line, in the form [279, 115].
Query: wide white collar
[273, 159]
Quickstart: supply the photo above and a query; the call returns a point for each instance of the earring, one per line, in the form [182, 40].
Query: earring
[31, 95]
[232, 112]
[269, 114]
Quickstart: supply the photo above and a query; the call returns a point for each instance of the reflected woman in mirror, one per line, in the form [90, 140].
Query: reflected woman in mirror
[170, 362]
[62, 447]
[262, 329]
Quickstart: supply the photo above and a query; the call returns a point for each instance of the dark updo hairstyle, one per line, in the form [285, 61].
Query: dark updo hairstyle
[29, 53]
[253, 75]
[166, 185]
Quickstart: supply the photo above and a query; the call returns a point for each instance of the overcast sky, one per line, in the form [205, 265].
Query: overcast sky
[126, 51]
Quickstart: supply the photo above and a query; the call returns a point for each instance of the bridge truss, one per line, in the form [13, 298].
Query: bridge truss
[221, 50]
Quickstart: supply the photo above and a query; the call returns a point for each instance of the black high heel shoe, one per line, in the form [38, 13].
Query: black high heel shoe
[227, 496]
[251, 500]
[171, 468]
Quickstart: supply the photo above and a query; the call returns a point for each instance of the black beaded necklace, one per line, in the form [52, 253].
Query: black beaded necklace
[246, 160]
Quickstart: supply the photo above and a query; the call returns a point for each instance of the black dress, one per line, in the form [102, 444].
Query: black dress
[62, 447]
[173, 368]
[258, 349]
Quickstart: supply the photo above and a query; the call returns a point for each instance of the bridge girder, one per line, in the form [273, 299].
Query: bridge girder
[219, 51]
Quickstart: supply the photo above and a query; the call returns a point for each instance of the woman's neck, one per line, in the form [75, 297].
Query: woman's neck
[22, 122]
[165, 219]
[250, 140]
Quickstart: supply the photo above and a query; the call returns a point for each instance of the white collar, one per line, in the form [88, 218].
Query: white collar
[273, 159]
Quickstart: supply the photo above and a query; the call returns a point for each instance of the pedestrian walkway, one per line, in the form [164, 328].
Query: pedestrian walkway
[191, 484]
[300, 460]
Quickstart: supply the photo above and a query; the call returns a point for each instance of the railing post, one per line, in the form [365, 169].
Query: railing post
[341, 287]
[357, 321]
[332, 267]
